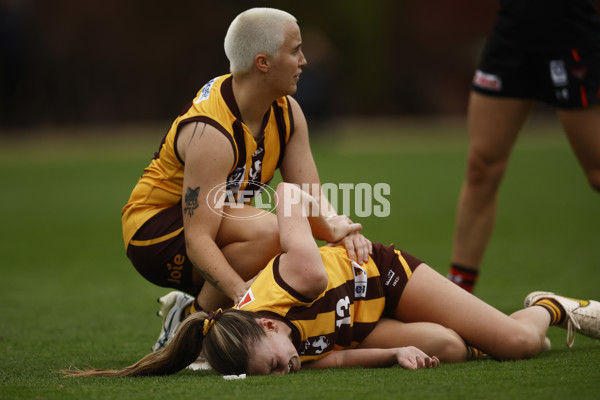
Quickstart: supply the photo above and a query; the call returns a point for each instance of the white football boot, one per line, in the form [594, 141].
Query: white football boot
[582, 316]
[171, 311]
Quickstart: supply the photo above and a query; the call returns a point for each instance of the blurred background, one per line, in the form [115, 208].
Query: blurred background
[112, 61]
[89, 88]
[72, 62]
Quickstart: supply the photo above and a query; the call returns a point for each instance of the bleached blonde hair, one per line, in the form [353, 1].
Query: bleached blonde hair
[255, 31]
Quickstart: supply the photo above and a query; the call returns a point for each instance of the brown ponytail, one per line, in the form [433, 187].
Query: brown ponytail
[227, 347]
[182, 350]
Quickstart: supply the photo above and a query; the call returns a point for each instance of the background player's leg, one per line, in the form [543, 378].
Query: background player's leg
[493, 125]
[583, 130]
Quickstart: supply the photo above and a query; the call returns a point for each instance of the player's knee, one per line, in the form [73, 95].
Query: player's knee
[450, 347]
[484, 172]
[520, 345]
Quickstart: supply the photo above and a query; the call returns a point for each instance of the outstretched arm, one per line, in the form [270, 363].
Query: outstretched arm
[407, 357]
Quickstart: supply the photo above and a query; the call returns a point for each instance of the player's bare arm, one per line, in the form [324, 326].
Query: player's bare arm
[208, 157]
[300, 264]
[406, 357]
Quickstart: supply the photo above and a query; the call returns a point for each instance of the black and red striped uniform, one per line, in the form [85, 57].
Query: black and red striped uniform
[544, 50]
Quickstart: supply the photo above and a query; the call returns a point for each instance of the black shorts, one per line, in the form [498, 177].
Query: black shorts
[566, 78]
[395, 268]
[158, 253]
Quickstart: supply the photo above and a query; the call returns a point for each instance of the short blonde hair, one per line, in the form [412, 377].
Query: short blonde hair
[257, 30]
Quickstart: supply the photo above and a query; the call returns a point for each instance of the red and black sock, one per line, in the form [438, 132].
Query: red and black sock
[464, 277]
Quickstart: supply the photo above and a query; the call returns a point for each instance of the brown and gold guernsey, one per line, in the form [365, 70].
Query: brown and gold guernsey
[161, 185]
[340, 318]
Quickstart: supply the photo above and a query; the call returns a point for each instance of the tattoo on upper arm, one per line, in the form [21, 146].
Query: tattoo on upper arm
[191, 200]
[201, 133]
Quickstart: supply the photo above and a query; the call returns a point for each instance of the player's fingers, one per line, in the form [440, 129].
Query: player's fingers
[419, 361]
[366, 248]
[354, 227]
[407, 363]
[362, 251]
[349, 245]
[428, 362]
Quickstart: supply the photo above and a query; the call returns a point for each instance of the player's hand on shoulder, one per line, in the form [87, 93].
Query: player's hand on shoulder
[341, 226]
[346, 233]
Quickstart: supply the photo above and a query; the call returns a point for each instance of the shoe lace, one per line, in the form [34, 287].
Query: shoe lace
[572, 327]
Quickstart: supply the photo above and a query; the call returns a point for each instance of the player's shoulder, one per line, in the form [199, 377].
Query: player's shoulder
[202, 139]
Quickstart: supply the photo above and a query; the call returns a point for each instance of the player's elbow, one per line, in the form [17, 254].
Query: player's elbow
[320, 281]
[313, 283]
[316, 283]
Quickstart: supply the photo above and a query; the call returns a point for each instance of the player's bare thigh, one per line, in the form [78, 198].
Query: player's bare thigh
[429, 297]
[249, 239]
[246, 223]
[582, 127]
[494, 124]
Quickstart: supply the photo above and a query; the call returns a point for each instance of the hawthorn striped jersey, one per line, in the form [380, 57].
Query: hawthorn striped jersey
[255, 162]
[343, 315]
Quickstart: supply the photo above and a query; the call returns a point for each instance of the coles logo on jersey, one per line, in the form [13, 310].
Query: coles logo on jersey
[205, 91]
[246, 299]
[487, 81]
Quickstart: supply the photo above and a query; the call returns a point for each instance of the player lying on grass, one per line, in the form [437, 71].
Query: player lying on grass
[313, 307]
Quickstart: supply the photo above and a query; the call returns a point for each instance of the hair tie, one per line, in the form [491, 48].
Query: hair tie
[211, 319]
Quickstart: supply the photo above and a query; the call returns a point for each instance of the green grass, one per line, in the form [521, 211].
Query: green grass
[69, 297]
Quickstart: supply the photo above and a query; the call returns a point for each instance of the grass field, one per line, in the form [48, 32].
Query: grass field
[69, 297]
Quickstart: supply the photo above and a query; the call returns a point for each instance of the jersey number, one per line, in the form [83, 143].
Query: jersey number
[342, 309]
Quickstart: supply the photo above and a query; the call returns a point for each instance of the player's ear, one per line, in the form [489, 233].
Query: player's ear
[262, 62]
[268, 324]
